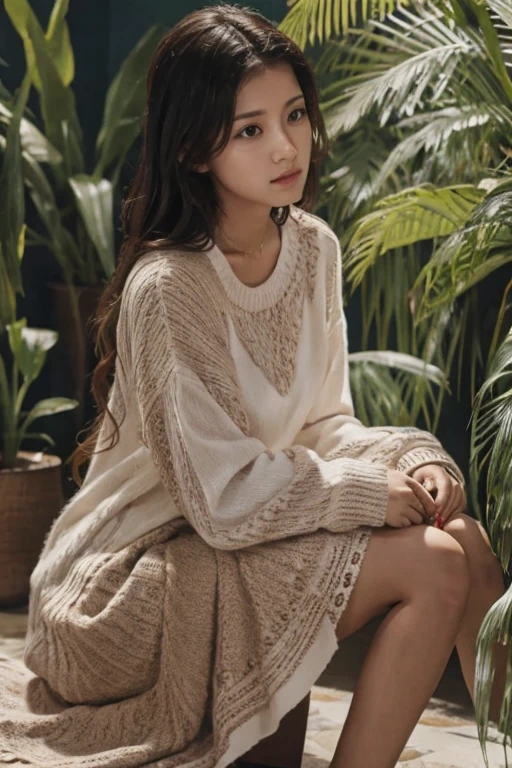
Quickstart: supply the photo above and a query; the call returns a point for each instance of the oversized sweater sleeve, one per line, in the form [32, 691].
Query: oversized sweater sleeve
[332, 427]
[228, 484]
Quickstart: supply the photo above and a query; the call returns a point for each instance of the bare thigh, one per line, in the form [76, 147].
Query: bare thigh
[400, 564]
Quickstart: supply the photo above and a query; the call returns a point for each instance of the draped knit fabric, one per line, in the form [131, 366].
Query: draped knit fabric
[187, 596]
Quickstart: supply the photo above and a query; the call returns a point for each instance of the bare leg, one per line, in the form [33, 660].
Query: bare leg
[486, 587]
[479, 604]
[427, 581]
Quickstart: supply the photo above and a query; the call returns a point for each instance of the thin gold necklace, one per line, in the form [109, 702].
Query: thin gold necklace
[240, 250]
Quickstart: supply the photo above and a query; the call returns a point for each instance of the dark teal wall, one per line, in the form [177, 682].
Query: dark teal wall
[128, 20]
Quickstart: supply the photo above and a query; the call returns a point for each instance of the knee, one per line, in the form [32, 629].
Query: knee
[448, 569]
[484, 567]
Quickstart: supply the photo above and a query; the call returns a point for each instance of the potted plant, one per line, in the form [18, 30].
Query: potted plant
[76, 205]
[30, 483]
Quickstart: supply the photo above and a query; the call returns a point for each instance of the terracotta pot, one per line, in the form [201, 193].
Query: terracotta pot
[76, 343]
[30, 499]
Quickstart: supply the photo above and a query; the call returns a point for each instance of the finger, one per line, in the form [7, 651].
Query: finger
[416, 517]
[428, 483]
[451, 508]
[415, 504]
[445, 492]
[458, 503]
[426, 500]
[421, 475]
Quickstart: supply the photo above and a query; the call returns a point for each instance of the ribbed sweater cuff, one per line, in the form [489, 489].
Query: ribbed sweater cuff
[362, 495]
[420, 457]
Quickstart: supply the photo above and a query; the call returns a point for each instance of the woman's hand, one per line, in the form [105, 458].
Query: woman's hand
[408, 501]
[448, 493]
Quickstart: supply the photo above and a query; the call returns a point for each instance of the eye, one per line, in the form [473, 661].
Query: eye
[302, 111]
[248, 128]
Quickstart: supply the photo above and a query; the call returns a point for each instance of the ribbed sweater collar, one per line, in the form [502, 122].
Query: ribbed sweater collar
[254, 299]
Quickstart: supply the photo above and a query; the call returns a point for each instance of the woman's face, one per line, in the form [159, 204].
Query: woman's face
[265, 145]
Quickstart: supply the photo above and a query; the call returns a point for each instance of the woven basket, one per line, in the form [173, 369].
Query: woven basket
[30, 499]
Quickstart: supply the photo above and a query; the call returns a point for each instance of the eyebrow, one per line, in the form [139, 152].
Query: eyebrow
[257, 112]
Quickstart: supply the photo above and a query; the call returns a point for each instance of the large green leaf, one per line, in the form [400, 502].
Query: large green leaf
[12, 200]
[47, 407]
[32, 140]
[57, 100]
[5, 95]
[29, 347]
[62, 244]
[95, 202]
[7, 295]
[124, 105]
[59, 43]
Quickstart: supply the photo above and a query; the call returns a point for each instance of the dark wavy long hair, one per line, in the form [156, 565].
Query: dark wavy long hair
[192, 84]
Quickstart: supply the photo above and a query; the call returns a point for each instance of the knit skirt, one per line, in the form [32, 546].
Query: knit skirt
[172, 653]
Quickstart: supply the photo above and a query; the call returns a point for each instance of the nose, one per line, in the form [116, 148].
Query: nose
[282, 147]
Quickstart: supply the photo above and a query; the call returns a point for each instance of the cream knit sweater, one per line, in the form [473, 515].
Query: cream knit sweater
[187, 595]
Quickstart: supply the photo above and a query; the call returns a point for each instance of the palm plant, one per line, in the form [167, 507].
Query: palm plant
[419, 185]
[491, 444]
[445, 109]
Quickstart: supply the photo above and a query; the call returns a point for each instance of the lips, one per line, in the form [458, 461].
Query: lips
[287, 174]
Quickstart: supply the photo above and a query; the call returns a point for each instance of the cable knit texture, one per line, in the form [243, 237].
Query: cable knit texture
[187, 596]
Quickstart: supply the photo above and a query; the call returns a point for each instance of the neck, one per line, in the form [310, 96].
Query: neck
[244, 231]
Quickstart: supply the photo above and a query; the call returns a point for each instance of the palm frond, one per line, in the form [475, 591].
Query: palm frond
[386, 384]
[496, 628]
[426, 52]
[356, 165]
[491, 446]
[312, 20]
[398, 90]
[416, 214]
[434, 136]
[503, 9]
[479, 246]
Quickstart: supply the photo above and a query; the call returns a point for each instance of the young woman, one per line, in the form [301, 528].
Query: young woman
[236, 519]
